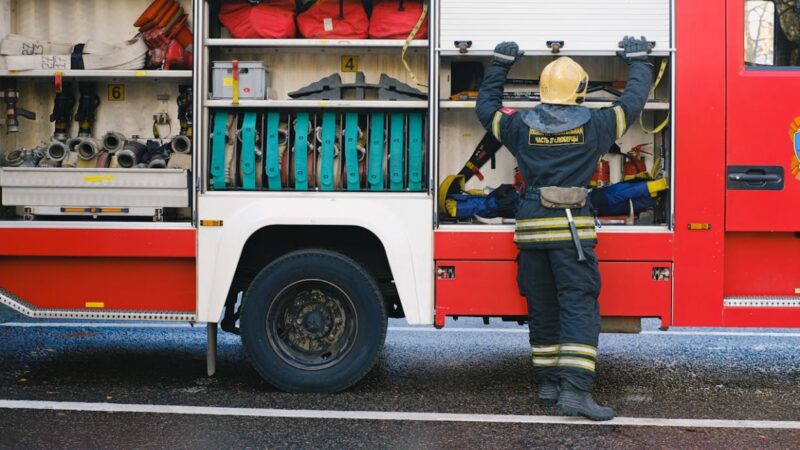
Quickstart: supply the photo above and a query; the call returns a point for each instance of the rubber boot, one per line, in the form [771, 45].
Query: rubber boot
[572, 402]
[548, 393]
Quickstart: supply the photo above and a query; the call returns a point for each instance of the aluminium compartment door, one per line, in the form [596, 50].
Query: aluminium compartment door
[583, 25]
[763, 116]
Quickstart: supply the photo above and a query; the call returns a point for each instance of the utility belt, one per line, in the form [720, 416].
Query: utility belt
[554, 229]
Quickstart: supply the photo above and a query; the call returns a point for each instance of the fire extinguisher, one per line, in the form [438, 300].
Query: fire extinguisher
[519, 182]
[602, 175]
[634, 167]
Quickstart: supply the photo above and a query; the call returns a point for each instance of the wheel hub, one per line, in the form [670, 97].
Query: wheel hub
[316, 326]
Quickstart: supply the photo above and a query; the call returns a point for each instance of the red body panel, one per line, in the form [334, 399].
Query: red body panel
[627, 261]
[763, 104]
[761, 264]
[761, 317]
[628, 290]
[700, 161]
[132, 270]
[97, 242]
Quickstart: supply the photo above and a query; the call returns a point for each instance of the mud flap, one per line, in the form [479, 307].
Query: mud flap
[351, 151]
[218, 150]
[376, 152]
[396, 150]
[415, 153]
[327, 180]
[272, 158]
[301, 152]
[248, 154]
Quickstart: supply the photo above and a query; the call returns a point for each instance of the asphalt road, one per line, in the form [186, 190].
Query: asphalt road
[481, 373]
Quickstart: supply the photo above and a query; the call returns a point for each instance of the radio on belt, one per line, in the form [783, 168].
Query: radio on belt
[253, 80]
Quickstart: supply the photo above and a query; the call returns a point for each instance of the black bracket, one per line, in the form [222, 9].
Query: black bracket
[463, 46]
[555, 46]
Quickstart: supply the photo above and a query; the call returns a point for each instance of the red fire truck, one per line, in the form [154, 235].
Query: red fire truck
[302, 210]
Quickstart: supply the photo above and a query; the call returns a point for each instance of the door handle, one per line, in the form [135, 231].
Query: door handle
[755, 178]
[752, 177]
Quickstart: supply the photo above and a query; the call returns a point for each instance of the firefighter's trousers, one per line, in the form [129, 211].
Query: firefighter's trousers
[563, 313]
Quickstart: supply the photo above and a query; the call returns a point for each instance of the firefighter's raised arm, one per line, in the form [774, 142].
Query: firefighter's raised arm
[640, 79]
[490, 94]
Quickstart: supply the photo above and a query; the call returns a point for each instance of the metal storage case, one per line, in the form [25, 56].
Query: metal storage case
[253, 80]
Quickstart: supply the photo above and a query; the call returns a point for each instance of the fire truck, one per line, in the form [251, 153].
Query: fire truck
[196, 168]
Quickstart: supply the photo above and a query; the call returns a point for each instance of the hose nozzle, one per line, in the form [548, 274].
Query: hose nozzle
[181, 144]
[113, 142]
[89, 148]
[130, 155]
[57, 151]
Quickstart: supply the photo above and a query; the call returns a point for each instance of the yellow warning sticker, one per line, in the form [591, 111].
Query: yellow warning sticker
[96, 305]
[97, 178]
[228, 81]
[570, 137]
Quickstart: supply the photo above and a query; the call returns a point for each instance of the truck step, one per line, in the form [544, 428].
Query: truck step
[762, 302]
[23, 307]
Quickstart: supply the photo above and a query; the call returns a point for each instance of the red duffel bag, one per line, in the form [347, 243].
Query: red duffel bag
[325, 20]
[394, 19]
[270, 19]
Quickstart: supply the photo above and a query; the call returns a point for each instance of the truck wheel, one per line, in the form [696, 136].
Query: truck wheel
[313, 321]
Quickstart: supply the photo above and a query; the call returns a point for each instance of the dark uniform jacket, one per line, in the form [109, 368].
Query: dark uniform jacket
[558, 145]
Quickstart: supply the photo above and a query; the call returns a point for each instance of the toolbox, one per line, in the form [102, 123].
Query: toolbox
[253, 80]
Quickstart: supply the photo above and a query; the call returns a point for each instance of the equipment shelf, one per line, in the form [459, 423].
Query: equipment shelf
[470, 104]
[146, 74]
[372, 104]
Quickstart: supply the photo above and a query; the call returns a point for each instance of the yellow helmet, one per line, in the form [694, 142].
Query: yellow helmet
[563, 82]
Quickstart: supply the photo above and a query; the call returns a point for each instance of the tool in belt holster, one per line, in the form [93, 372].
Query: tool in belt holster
[554, 197]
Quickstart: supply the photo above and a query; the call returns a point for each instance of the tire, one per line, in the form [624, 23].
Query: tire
[313, 321]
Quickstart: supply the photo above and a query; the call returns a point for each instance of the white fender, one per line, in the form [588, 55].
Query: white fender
[401, 222]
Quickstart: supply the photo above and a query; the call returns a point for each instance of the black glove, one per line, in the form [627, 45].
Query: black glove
[634, 50]
[506, 54]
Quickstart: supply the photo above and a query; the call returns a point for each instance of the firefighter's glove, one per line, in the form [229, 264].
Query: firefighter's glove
[634, 50]
[506, 54]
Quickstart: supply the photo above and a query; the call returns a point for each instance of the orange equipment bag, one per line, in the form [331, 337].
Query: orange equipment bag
[342, 19]
[269, 19]
[395, 19]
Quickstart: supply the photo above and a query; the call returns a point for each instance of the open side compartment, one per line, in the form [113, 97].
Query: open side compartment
[295, 113]
[588, 33]
[112, 137]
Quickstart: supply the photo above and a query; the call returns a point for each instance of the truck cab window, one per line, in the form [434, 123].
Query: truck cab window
[772, 33]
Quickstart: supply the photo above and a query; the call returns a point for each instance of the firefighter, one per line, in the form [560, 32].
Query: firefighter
[557, 144]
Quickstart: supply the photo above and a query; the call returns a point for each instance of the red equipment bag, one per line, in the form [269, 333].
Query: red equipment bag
[394, 19]
[270, 19]
[343, 19]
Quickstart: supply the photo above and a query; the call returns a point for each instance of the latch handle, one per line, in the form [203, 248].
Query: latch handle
[555, 46]
[463, 46]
